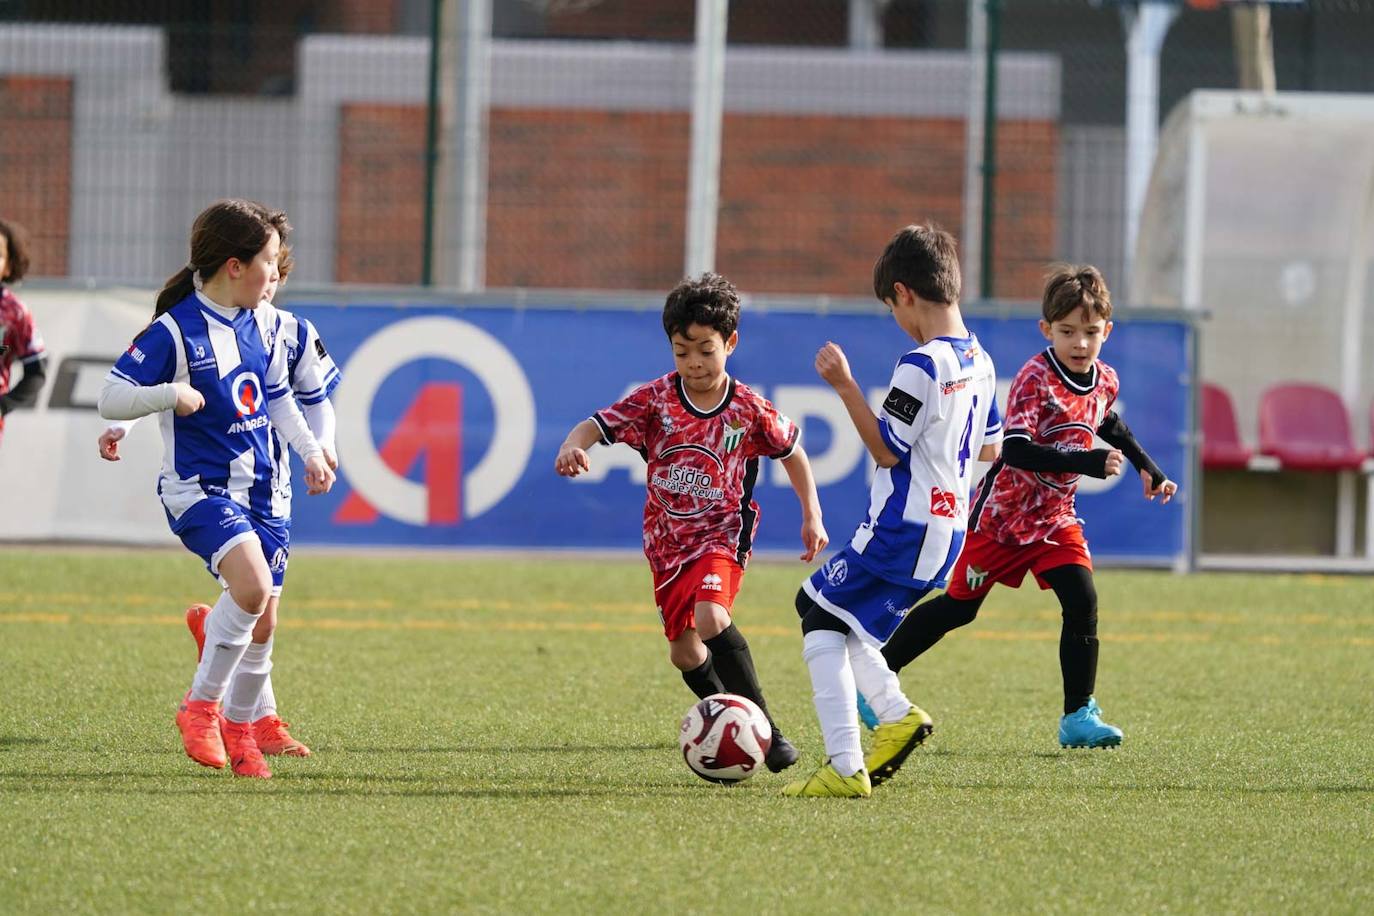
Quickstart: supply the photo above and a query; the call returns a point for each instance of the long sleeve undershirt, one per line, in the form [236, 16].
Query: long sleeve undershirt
[1019, 451]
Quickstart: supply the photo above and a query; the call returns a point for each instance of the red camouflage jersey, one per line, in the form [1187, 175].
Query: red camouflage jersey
[20, 336]
[1047, 406]
[702, 466]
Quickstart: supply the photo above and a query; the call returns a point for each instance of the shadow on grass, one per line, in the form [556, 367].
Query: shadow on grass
[498, 749]
[300, 784]
[9, 741]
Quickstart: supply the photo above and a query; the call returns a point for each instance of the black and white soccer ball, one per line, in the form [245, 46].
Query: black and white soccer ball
[725, 737]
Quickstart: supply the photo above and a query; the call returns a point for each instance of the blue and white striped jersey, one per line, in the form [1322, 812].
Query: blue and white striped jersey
[940, 409]
[235, 359]
[312, 375]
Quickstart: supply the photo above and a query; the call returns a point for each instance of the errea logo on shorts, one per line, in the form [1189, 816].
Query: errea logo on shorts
[711, 582]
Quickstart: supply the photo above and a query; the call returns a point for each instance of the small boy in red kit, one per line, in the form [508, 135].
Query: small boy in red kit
[702, 434]
[1024, 519]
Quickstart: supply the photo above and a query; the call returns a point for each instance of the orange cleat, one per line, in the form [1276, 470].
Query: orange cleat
[273, 738]
[198, 722]
[195, 622]
[245, 757]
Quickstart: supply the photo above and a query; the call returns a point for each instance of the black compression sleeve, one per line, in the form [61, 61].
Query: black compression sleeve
[1115, 432]
[1020, 452]
[25, 392]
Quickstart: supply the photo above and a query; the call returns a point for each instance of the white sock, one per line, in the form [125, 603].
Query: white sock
[876, 681]
[267, 700]
[246, 687]
[832, 686]
[228, 630]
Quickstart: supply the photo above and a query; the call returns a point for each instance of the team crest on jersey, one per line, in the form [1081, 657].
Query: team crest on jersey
[836, 571]
[665, 420]
[975, 577]
[734, 435]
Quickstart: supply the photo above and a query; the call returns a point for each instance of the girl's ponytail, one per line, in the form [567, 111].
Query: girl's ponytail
[178, 286]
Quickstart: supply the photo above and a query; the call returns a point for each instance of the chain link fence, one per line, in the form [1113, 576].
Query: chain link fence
[841, 121]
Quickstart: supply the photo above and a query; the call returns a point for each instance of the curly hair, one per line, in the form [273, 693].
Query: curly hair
[1070, 287]
[709, 300]
[17, 241]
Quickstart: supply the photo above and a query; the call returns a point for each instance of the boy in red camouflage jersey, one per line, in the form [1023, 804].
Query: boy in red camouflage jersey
[1023, 517]
[702, 434]
[19, 338]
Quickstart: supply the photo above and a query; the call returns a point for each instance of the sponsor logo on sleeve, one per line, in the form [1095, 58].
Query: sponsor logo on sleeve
[320, 351]
[136, 354]
[943, 503]
[901, 405]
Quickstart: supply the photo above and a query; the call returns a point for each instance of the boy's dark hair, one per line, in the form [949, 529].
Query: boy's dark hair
[18, 239]
[230, 228]
[924, 259]
[709, 300]
[1070, 287]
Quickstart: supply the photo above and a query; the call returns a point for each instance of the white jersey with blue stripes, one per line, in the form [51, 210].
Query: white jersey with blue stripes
[235, 359]
[312, 375]
[940, 410]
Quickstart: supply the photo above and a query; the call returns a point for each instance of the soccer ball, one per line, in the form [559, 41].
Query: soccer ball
[725, 737]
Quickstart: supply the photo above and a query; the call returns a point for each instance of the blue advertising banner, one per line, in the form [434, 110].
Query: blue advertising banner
[449, 420]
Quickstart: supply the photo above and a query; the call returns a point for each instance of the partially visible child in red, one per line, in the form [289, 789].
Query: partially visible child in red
[1024, 519]
[702, 434]
[20, 341]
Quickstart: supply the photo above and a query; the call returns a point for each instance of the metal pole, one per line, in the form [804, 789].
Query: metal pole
[994, 26]
[972, 241]
[431, 142]
[1146, 27]
[708, 96]
[474, 95]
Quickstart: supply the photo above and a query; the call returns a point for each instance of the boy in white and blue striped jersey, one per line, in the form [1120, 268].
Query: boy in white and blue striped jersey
[938, 418]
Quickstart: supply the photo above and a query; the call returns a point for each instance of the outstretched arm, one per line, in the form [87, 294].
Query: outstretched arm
[1019, 451]
[834, 368]
[25, 391]
[814, 538]
[572, 454]
[1115, 431]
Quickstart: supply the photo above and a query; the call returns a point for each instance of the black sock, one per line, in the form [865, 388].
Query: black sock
[703, 680]
[735, 666]
[924, 625]
[1078, 663]
[1073, 586]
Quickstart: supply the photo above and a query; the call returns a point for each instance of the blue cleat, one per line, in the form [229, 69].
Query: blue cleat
[866, 714]
[1085, 728]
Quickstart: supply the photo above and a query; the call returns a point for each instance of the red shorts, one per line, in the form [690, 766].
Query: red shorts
[714, 577]
[985, 562]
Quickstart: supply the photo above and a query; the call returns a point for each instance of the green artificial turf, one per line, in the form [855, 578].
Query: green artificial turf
[499, 734]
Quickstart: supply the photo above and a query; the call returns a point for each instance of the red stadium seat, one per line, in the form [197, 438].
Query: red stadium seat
[1306, 428]
[1222, 448]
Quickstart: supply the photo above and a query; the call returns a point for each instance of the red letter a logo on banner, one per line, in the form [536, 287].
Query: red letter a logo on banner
[433, 427]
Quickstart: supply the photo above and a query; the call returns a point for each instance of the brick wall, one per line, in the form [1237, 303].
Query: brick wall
[36, 165]
[380, 194]
[596, 199]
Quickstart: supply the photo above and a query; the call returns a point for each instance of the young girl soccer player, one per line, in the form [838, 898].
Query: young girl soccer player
[702, 433]
[1023, 517]
[313, 377]
[19, 338]
[213, 365]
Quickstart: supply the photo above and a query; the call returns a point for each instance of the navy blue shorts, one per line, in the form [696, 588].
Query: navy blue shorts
[214, 526]
[872, 607]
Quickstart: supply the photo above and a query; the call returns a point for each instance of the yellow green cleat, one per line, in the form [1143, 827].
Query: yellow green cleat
[826, 782]
[893, 742]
